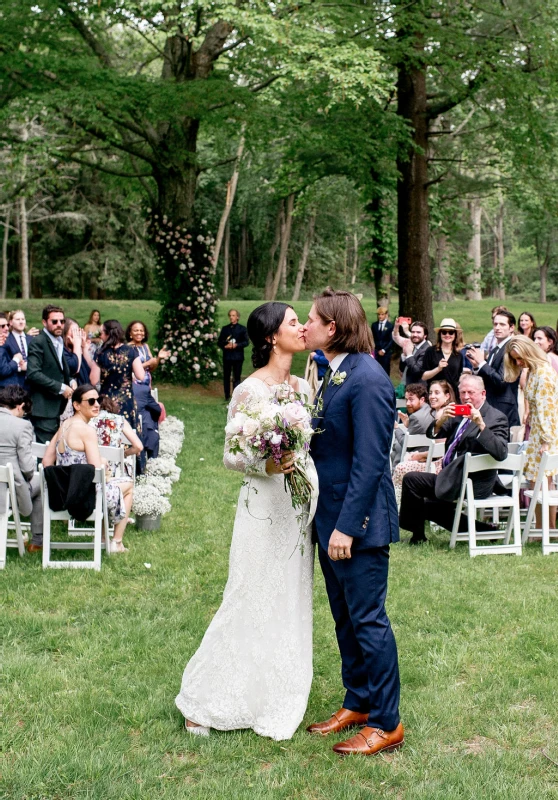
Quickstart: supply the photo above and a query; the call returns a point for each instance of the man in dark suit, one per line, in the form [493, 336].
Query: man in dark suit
[13, 355]
[383, 343]
[485, 431]
[48, 375]
[356, 520]
[413, 349]
[499, 393]
[232, 341]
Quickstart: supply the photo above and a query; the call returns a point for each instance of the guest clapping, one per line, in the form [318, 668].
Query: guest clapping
[119, 364]
[137, 336]
[13, 356]
[78, 352]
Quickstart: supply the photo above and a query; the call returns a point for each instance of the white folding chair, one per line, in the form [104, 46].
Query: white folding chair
[546, 498]
[155, 394]
[11, 509]
[437, 450]
[467, 499]
[99, 517]
[436, 447]
[113, 455]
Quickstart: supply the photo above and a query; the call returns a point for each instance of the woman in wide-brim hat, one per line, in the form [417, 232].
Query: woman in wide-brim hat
[443, 360]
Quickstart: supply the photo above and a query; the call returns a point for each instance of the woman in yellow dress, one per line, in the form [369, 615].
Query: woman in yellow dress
[541, 393]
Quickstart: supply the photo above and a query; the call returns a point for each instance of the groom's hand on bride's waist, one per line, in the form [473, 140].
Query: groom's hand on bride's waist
[339, 546]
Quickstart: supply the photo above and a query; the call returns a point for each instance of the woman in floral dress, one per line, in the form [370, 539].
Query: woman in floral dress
[119, 364]
[76, 443]
[112, 431]
[541, 393]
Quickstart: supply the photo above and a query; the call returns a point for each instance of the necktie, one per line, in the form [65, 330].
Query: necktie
[458, 437]
[492, 354]
[326, 379]
[22, 346]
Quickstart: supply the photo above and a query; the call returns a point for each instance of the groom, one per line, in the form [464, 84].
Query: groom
[356, 520]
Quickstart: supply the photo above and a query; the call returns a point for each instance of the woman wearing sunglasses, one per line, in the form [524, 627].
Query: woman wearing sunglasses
[76, 443]
[443, 361]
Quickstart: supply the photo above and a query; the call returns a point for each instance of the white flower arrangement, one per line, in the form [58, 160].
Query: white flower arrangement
[161, 483]
[165, 466]
[150, 502]
[173, 427]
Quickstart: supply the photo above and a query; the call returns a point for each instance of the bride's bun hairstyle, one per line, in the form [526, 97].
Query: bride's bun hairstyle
[352, 334]
[263, 323]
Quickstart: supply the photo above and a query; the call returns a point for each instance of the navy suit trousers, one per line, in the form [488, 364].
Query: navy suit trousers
[357, 589]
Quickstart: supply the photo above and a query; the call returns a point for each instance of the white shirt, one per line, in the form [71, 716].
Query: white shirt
[336, 362]
[498, 346]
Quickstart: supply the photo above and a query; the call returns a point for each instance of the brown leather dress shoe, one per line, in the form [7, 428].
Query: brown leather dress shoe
[370, 741]
[34, 548]
[344, 718]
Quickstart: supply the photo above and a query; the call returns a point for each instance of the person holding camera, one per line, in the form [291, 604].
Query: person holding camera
[499, 393]
[443, 361]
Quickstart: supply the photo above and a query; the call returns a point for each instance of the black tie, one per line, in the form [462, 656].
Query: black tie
[326, 379]
[492, 354]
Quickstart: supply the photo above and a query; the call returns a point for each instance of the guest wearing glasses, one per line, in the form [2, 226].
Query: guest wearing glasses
[76, 443]
[4, 328]
[443, 361]
[48, 375]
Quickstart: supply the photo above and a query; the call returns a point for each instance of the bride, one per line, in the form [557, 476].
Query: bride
[253, 668]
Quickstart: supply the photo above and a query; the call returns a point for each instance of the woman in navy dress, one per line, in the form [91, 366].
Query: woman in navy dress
[119, 364]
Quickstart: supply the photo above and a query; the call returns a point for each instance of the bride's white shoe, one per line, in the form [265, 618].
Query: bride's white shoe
[196, 730]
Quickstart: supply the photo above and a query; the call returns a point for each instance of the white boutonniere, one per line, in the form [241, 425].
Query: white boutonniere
[338, 378]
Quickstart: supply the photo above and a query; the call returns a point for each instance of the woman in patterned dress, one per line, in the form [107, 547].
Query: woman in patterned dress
[76, 443]
[112, 431]
[541, 393]
[119, 364]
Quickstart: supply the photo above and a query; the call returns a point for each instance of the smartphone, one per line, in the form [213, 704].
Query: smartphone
[462, 410]
[403, 320]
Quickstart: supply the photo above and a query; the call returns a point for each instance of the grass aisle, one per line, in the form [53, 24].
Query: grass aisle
[92, 663]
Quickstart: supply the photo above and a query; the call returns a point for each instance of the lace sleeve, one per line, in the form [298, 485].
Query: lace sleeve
[243, 394]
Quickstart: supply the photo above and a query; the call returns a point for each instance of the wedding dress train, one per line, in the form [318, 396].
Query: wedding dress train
[253, 668]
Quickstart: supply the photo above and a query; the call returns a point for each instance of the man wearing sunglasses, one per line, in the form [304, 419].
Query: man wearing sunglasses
[4, 329]
[48, 375]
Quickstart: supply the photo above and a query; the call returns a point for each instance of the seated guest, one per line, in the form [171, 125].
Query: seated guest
[443, 361]
[16, 437]
[13, 357]
[75, 442]
[484, 431]
[439, 396]
[499, 393]
[78, 352]
[111, 427]
[417, 420]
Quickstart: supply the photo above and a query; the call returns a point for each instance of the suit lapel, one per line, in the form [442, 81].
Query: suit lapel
[53, 351]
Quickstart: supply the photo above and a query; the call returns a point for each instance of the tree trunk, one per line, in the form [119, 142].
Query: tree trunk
[226, 261]
[382, 285]
[442, 283]
[473, 290]
[231, 191]
[285, 239]
[4, 288]
[543, 271]
[355, 257]
[276, 241]
[500, 242]
[23, 249]
[415, 283]
[304, 257]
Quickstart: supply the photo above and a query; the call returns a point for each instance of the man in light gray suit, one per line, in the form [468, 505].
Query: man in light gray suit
[418, 419]
[16, 436]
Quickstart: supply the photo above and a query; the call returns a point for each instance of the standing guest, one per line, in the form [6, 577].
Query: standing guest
[414, 349]
[500, 393]
[541, 393]
[13, 358]
[527, 325]
[546, 339]
[16, 436]
[119, 364]
[93, 327]
[489, 341]
[321, 362]
[48, 375]
[137, 336]
[383, 342]
[417, 420]
[4, 328]
[484, 430]
[76, 443]
[78, 351]
[232, 341]
[443, 361]
[440, 395]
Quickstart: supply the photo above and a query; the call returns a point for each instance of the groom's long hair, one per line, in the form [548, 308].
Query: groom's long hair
[352, 334]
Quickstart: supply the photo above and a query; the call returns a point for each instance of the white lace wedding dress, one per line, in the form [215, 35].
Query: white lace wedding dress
[253, 668]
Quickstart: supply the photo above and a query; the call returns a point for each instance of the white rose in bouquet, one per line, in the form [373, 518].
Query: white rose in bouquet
[235, 425]
[250, 427]
[296, 415]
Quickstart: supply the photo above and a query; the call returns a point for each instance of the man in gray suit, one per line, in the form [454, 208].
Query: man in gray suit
[417, 420]
[16, 436]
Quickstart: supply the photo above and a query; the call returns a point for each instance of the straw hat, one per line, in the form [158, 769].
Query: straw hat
[448, 324]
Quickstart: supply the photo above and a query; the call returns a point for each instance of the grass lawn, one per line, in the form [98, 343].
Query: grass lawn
[93, 661]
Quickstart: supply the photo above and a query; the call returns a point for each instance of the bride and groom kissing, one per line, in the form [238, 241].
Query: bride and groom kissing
[253, 668]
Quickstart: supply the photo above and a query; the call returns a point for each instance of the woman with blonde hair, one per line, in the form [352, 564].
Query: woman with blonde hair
[541, 394]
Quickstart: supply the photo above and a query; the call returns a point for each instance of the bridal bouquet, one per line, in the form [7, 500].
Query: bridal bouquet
[271, 427]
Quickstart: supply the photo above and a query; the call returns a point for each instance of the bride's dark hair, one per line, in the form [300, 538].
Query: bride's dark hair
[263, 323]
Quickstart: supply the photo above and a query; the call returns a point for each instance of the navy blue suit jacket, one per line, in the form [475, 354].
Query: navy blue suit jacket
[8, 367]
[383, 339]
[352, 456]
